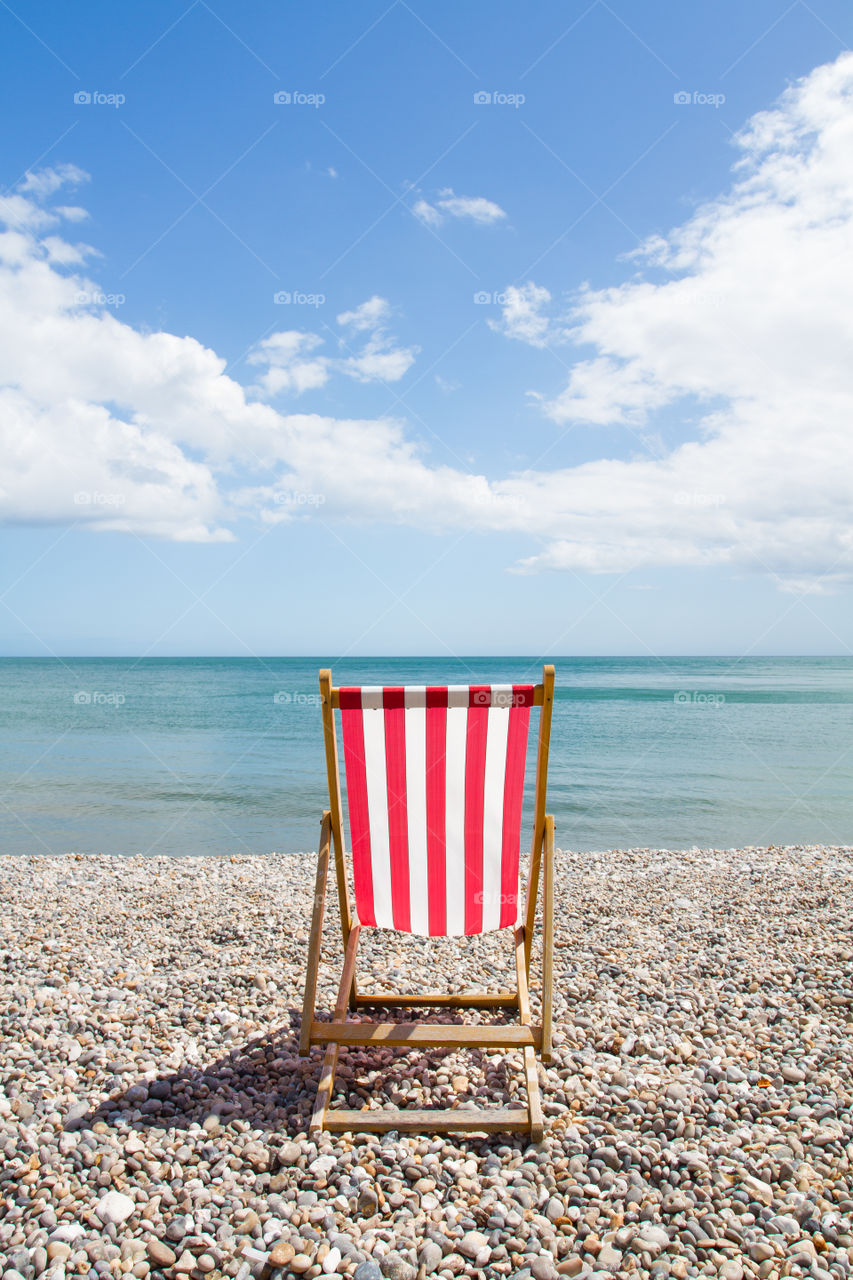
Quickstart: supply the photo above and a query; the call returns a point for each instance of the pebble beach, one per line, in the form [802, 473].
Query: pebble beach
[699, 1106]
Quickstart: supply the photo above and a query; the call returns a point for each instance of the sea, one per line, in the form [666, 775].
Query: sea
[222, 756]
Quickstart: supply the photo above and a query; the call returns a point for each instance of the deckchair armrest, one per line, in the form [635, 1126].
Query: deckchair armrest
[316, 936]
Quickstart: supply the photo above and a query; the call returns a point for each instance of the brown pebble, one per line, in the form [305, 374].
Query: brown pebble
[160, 1254]
[282, 1254]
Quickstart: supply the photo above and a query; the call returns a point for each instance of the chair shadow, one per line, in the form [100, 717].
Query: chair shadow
[264, 1083]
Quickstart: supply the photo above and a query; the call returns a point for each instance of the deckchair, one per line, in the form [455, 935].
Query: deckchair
[434, 784]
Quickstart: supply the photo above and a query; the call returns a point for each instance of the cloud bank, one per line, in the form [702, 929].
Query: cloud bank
[744, 325]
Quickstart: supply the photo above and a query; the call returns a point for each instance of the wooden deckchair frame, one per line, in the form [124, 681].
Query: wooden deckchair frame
[526, 1035]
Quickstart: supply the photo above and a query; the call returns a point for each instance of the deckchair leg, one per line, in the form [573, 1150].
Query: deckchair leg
[547, 938]
[316, 937]
[539, 807]
[531, 1077]
[330, 1062]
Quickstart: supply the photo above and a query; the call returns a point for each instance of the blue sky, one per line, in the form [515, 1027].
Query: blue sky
[553, 375]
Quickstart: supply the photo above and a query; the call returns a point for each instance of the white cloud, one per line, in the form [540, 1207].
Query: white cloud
[756, 329]
[45, 182]
[380, 359]
[477, 208]
[448, 205]
[376, 364]
[370, 315]
[427, 213]
[754, 324]
[523, 317]
[287, 369]
[294, 366]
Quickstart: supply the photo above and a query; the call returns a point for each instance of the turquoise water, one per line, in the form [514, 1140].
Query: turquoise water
[200, 755]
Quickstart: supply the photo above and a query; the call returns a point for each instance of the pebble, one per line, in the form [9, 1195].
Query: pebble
[699, 1103]
[115, 1208]
[160, 1254]
[429, 1256]
[731, 1270]
[472, 1243]
[281, 1254]
[368, 1270]
[609, 1259]
[395, 1267]
[542, 1268]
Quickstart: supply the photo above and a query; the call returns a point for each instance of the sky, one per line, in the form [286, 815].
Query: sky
[404, 329]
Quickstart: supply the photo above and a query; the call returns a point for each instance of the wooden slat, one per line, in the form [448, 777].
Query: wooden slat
[493, 1120]
[531, 1078]
[330, 1062]
[547, 938]
[316, 935]
[324, 1090]
[436, 1035]
[538, 695]
[346, 977]
[540, 797]
[467, 1000]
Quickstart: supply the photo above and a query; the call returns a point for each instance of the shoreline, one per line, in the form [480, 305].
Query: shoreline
[699, 1106]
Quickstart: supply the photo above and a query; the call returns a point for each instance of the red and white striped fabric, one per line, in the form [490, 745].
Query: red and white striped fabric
[435, 778]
